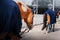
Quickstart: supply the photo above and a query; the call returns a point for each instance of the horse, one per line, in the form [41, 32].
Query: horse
[26, 14]
[46, 21]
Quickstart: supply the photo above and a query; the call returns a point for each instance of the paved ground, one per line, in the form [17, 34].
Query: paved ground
[37, 34]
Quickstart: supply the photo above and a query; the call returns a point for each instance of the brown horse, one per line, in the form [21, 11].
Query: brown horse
[26, 14]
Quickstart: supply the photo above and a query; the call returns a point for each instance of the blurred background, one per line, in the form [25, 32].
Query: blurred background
[40, 6]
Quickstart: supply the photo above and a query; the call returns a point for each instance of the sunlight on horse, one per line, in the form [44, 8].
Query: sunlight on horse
[26, 14]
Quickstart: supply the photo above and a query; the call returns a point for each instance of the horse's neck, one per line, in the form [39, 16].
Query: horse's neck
[23, 13]
[24, 8]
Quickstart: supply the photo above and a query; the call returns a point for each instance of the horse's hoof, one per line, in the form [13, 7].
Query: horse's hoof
[28, 30]
[20, 36]
[48, 31]
[53, 31]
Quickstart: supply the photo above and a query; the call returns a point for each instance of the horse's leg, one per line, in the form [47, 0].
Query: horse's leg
[14, 36]
[25, 20]
[29, 21]
[3, 35]
[29, 26]
[57, 15]
[53, 27]
[46, 27]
